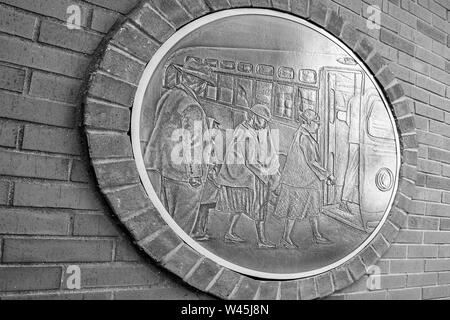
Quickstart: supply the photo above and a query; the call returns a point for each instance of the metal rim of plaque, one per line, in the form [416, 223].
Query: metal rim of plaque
[385, 174]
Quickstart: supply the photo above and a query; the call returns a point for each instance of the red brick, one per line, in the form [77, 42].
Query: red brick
[408, 236]
[422, 280]
[116, 5]
[197, 8]
[59, 35]
[55, 140]
[444, 251]
[289, 290]
[4, 192]
[207, 271]
[173, 11]
[135, 41]
[396, 252]
[29, 165]
[218, 4]
[55, 88]
[109, 145]
[56, 196]
[300, 7]
[120, 65]
[8, 133]
[395, 41]
[153, 23]
[12, 79]
[176, 293]
[438, 183]
[247, 289]
[113, 90]
[70, 296]
[436, 292]
[407, 266]
[423, 223]
[36, 110]
[281, 4]
[53, 8]
[46, 58]
[33, 222]
[145, 224]
[225, 284]
[438, 210]
[318, 11]
[103, 20]
[17, 23]
[81, 171]
[127, 252]
[104, 116]
[182, 261]
[128, 200]
[431, 32]
[324, 285]
[437, 265]
[405, 294]
[63, 250]
[422, 251]
[159, 247]
[117, 174]
[29, 278]
[437, 237]
[94, 225]
[119, 275]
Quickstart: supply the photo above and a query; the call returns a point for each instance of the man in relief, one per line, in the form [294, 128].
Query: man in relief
[249, 174]
[302, 181]
[182, 172]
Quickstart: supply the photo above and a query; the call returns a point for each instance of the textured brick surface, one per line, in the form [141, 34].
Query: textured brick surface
[52, 214]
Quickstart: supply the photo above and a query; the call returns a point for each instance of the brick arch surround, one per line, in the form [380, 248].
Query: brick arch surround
[120, 63]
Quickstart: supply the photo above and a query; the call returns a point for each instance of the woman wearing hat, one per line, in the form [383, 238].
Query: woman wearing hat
[249, 174]
[301, 182]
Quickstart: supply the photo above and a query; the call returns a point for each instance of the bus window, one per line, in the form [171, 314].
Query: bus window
[379, 124]
[286, 73]
[245, 67]
[308, 76]
[284, 101]
[191, 58]
[244, 92]
[307, 100]
[213, 63]
[211, 91]
[226, 89]
[264, 92]
[266, 70]
[228, 65]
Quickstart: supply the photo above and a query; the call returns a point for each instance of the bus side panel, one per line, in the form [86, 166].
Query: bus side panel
[373, 159]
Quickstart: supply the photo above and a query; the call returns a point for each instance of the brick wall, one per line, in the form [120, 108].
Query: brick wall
[52, 216]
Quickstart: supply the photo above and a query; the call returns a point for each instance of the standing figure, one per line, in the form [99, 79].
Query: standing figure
[249, 174]
[179, 111]
[211, 189]
[302, 182]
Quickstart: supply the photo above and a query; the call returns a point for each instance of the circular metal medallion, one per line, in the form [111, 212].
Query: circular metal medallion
[261, 139]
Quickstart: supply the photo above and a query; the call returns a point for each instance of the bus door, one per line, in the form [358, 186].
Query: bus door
[339, 86]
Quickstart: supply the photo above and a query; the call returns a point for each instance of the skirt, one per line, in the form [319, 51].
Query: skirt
[298, 203]
[252, 203]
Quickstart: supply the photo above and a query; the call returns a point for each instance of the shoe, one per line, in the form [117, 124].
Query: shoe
[201, 238]
[322, 240]
[232, 238]
[287, 245]
[266, 245]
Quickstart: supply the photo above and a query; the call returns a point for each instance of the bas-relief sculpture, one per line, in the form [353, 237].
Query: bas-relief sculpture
[302, 166]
